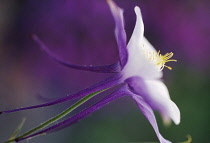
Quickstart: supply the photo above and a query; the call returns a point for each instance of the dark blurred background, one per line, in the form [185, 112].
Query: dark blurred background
[82, 32]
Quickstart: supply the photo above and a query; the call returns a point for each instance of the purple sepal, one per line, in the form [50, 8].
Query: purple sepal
[111, 68]
[114, 80]
[148, 113]
[74, 119]
[120, 34]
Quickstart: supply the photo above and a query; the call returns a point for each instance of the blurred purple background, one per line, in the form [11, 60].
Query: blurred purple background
[82, 32]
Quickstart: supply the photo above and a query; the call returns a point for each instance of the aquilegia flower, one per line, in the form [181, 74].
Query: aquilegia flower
[139, 73]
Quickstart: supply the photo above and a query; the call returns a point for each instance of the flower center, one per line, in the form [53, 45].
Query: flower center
[159, 59]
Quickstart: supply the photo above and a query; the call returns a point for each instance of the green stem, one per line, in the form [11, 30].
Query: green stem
[59, 116]
[15, 133]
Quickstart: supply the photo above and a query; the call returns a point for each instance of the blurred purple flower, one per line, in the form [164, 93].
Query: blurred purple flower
[139, 71]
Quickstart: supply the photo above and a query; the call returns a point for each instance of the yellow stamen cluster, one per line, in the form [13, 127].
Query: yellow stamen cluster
[159, 59]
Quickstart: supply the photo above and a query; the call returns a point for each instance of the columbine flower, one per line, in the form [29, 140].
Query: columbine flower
[139, 71]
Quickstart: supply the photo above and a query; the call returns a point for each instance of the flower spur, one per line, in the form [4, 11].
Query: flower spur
[139, 72]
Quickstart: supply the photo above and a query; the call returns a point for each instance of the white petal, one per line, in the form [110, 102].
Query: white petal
[138, 63]
[147, 45]
[156, 94]
[138, 31]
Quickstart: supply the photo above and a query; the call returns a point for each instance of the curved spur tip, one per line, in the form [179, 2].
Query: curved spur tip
[137, 9]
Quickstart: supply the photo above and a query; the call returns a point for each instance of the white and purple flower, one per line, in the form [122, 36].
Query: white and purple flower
[139, 72]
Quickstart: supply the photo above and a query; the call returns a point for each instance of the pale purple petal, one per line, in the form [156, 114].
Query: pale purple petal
[120, 34]
[111, 68]
[156, 94]
[138, 63]
[72, 120]
[114, 80]
[148, 113]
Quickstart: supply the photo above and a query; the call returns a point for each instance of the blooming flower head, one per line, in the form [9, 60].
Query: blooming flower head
[139, 72]
[143, 72]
